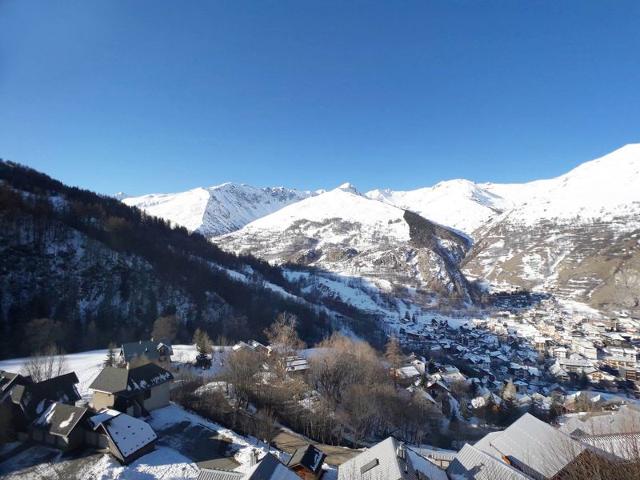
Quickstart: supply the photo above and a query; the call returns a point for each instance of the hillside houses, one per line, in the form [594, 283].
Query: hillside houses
[134, 354]
[535, 347]
[135, 391]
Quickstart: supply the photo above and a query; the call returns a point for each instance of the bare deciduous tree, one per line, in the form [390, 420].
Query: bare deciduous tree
[49, 363]
[165, 328]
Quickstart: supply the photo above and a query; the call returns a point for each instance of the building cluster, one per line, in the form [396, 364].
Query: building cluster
[544, 352]
[53, 413]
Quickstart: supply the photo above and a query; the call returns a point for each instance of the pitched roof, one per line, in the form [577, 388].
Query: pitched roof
[130, 381]
[380, 462]
[269, 468]
[309, 457]
[60, 419]
[535, 446]
[148, 348]
[624, 420]
[206, 474]
[473, 463]
[6, 379]
[127, 433]
[9, 380]
[32, 396]
[621, 445]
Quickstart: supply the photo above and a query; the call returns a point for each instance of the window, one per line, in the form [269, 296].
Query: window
[368, 466]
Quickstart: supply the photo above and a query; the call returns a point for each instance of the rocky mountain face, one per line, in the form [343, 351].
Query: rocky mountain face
[574, 236]
[344, 232]
[216, 210]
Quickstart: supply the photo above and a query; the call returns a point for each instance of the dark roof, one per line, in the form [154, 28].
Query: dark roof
[148, 348]
[6, 379]
[60, 419]
[130, 381]
[32, 396]
[270, 468]
[309, 457]
[9, 380]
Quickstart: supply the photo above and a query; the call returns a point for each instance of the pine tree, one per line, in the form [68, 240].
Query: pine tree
[202, 342]
[110, 361]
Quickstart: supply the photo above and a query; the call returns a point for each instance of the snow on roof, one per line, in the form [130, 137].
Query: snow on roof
[380, 462]
[408, 371]
[127, 433]
[470, 462]
[60, 419]
[535, 444]
[103, 416]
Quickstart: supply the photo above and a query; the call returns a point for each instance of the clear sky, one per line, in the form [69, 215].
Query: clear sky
[160, 96]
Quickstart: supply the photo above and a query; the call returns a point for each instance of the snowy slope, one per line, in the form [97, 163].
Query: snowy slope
[348, 233]
[460, 204]
[219, 209]
[600, 189]
[344, 203]
[574, 236]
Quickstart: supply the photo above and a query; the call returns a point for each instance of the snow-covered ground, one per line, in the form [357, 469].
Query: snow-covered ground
[87, 365]
[164, 463]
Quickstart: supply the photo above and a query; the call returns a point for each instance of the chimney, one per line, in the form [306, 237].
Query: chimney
[401, 452]
[254, 457]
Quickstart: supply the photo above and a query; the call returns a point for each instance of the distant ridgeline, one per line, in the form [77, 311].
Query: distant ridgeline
[106, 271]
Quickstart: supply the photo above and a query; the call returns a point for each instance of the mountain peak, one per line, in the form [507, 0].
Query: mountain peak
[348, 187]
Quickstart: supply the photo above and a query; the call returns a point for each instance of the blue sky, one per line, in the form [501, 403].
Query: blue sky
[148, 96]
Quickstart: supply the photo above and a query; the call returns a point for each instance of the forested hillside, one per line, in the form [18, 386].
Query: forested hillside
[105, 271]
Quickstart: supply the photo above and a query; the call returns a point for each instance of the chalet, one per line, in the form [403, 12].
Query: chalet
[252, 345]
[127, 438]
[135, 391]
[60, 426]
[268, 468]
[10, 415]
[389, 460]
[295, 364]
[8, 380]
[407, 374]
[32, 398]
[307, 462]
[535, 448]
[139, 353]
[437, 390]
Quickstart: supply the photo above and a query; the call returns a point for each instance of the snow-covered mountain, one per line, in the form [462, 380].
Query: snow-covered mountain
[460, 204]
[598, 190]
[219, 209]
[348, 233]
[575, 236]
